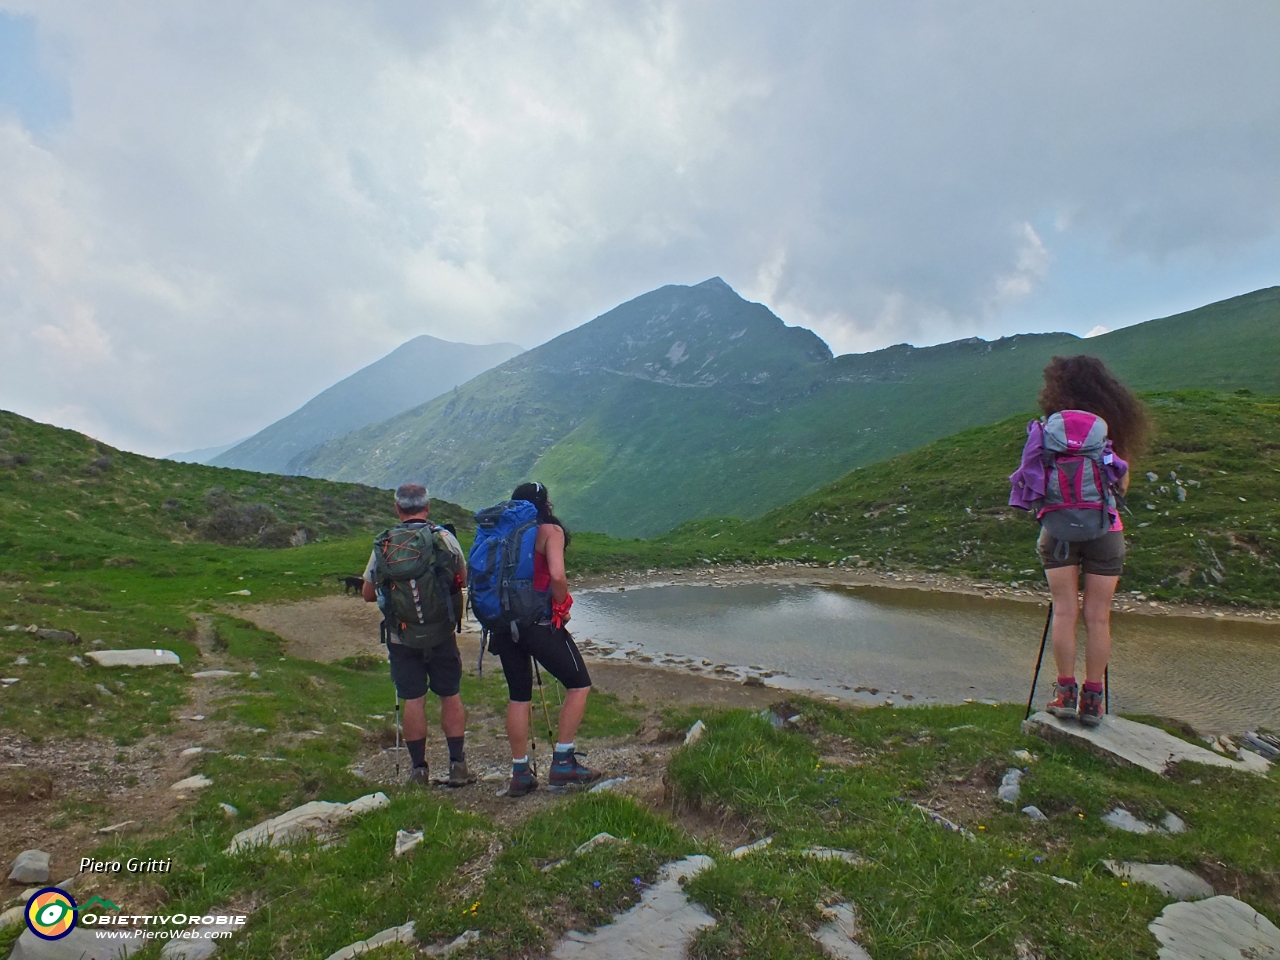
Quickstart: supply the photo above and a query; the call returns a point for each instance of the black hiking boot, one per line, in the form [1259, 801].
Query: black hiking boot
[566, 771]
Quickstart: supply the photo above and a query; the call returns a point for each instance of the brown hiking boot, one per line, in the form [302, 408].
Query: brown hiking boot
[459, 775]
[1091, 708]
[420, 775]
[1066, 702]
[523, 782]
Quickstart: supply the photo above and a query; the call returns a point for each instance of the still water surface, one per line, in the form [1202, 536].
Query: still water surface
[1221, 677]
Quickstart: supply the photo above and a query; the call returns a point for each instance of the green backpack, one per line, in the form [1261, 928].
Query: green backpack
[414, 572]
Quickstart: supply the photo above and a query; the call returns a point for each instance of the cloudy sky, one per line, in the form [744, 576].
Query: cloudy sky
[211, 211]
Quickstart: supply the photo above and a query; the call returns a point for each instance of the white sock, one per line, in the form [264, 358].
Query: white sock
[522, 760]
[563, 747]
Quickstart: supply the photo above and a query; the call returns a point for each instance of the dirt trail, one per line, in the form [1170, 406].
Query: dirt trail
[108, 784]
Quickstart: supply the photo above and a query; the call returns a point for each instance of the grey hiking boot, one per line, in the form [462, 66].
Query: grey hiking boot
[1091, 708]
[420, 775]
[1066, 701]
[566, 771]
[459, 775]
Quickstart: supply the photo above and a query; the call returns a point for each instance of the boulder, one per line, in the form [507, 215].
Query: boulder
[133, 658]
[400, 934]
[1220, 928]
[32, 866]
[198, 782]
[1135, 743]
[66, 636]
[79, 944]
[1172, 880]
[317, 818]
[660, 927]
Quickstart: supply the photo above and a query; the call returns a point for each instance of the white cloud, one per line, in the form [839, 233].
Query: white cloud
[250, 201]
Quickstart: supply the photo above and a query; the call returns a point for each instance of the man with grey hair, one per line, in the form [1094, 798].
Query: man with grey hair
[416, 573]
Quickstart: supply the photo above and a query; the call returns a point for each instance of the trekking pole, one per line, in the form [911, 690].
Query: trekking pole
[397, 733]
[1106, 688]
[1039, 659]
[545, 713]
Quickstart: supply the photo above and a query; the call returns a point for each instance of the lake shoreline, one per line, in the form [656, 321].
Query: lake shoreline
[814, 574]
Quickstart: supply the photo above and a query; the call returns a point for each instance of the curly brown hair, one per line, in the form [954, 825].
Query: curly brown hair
[1084, 383]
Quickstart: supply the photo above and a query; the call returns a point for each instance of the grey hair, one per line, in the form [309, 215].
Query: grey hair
[412, 497]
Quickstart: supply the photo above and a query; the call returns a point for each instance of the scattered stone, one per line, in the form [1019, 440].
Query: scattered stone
[599, 840]
[1148, 747]
[406, 840]
[10, 681]
[191, 751]
[12, 915]
[836, 936]
[828, 853]
[1172, 823]
[245, 593]
[1219, 928]
[1034, 812]
[400, 934]
[1264, 743]
[229, 810]
[197, 947]
[1122, 819]
[133, 658]
[77, 661]
[101, 688]
[660, 927]
[215, 674]
[195, 717]
[739, 852]
[124, 826]
[21, 662]
[943, 821]
[66, 636]
[1010, 786]
[32, 866]
[466, 938]
[317, 818]
[1172, 880]
[696, 733]
[81, 943]
[348, 723]
[753, 682]
[609, 786]
[197, 782]
[1026, 756]
[1064, 881]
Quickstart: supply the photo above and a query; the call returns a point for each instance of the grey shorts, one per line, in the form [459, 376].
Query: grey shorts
[1103, 557]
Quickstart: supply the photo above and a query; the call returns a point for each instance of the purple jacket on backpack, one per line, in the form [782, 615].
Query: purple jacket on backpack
[1029, 480]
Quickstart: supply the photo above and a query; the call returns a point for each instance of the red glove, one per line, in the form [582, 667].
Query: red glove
[560, 611]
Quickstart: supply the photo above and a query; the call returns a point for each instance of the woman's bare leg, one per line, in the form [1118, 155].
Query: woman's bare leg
[1064, 588]
[1098, 592]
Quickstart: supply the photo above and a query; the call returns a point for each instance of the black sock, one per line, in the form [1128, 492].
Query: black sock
[455, 748]
[417, 751]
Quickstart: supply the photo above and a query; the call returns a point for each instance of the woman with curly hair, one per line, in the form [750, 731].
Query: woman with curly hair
[1074, 470]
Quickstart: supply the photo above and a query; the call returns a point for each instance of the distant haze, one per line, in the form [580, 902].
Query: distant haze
[412, 374]
[211, 212]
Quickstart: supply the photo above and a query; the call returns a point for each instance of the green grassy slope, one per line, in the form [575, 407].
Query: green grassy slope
[944, 507]
[690, 402]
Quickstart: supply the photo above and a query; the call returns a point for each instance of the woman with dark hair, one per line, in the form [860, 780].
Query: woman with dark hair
[550, 644]
[1076, 460]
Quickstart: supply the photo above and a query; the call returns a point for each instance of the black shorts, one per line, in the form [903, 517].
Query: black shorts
[1103, 557]
[552, 648]
[413, 670]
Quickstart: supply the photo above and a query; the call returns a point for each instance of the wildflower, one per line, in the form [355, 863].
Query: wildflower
[596, 884]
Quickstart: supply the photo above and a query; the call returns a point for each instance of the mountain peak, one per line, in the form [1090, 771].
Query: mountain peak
[715, 283]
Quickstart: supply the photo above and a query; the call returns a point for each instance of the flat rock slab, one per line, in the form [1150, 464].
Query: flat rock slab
[197, 782]
[133, 658]
[1136, 743]
[215, 674]
[1220, 928]
[837, 936]
[79, 944]
[400, 934]
[32, 866]
[1173, 881]
[660, 927]
[317, 818]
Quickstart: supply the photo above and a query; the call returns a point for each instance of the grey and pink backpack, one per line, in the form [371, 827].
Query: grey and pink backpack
[1078, 496]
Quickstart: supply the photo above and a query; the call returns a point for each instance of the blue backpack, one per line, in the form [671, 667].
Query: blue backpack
[500, 568]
